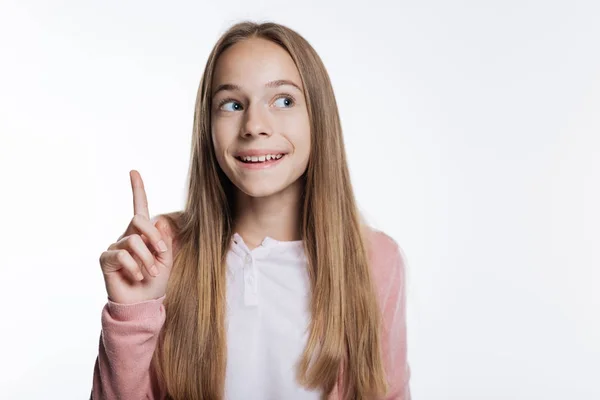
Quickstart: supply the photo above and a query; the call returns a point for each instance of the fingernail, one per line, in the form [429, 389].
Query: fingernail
[162, 246]
[140, 276]
[154, 270]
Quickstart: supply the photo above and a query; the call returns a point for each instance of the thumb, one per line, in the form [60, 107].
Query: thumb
[166, 232]
[167, 257]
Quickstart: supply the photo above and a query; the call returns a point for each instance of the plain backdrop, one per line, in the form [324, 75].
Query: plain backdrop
[473, 135]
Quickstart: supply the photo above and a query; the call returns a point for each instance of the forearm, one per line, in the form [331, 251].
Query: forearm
[127, 343]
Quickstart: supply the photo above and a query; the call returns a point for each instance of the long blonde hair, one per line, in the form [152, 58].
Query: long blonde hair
[190, 358]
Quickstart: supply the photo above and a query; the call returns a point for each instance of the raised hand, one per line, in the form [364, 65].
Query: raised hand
[137, 266]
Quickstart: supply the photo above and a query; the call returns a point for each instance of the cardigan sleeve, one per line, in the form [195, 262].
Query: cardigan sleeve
[391, 283]
[127, 342]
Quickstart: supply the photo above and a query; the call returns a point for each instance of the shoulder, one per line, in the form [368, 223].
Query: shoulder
[387, 261]
[383, 249]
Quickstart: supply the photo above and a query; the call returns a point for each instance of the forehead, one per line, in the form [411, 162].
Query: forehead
[253, 62]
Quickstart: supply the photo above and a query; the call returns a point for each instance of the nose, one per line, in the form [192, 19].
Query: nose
[256, 122]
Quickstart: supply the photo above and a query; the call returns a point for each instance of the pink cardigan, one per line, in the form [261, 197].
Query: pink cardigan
[130, 332]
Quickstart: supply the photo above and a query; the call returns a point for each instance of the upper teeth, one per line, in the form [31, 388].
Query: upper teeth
[262, 158]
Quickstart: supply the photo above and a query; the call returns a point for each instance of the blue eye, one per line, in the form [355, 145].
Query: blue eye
[236, 106]
[288, 101]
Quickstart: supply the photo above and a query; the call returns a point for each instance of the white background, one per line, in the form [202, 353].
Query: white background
[473, 134]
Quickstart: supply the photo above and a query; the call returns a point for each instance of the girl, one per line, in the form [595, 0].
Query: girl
[267, 285]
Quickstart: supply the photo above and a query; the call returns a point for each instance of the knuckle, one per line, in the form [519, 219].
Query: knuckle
[133, 240]
[122, 256]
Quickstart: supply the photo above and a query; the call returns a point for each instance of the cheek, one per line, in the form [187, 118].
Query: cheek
[297, 128]
[223, 134]
[301, 140]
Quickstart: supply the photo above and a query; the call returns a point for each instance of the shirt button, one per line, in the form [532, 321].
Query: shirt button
[248, 259]
[250, 280]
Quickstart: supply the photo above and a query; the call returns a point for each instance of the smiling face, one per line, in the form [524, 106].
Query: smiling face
[260, 127]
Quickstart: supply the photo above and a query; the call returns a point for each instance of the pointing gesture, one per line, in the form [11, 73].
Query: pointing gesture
[140, 201]
[137, 266]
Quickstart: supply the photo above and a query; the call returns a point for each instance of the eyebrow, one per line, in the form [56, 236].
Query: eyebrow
[272, 84]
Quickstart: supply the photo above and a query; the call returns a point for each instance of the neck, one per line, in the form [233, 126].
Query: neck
[276, 216]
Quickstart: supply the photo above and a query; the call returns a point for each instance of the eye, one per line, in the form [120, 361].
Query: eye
[286, 101]
[231, 105]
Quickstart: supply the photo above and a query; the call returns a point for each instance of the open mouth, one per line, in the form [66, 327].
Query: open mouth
[264, 159]
[262, 162]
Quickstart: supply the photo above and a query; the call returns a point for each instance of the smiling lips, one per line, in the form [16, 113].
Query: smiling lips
[259, 159]
[263, 158]
[257, 155]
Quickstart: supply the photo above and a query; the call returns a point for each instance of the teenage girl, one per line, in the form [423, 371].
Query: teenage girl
[268, 285]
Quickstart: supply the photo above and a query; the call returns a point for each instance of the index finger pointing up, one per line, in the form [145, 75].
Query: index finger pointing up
[140, 202]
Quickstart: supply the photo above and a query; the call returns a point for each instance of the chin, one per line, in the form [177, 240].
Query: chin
[260, 190]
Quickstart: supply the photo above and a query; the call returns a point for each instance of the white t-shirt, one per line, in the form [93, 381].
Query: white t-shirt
[267, 320]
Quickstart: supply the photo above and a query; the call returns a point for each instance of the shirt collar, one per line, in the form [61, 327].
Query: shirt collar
[267, 246]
